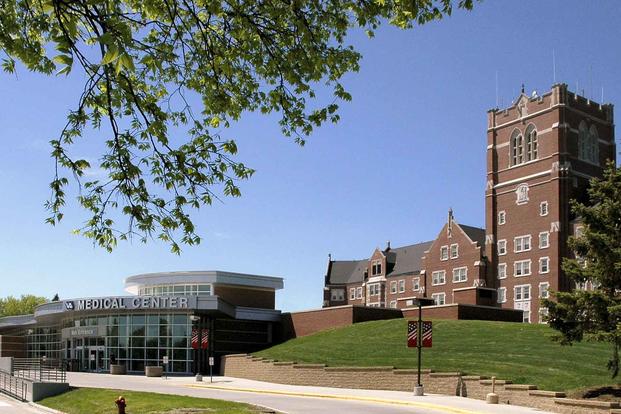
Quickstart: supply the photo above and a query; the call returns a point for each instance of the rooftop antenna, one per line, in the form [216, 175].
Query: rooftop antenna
[553, 66]
[496, 89]
[602, 101]
[590, 82]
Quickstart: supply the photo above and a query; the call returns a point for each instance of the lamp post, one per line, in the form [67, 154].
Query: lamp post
[420, 302]
[196, 319]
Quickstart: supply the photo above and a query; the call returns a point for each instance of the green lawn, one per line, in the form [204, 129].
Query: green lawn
[523, 353]
[101, 401]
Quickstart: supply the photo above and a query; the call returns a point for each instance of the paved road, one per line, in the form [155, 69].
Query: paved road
[10, 406]
[298, 399]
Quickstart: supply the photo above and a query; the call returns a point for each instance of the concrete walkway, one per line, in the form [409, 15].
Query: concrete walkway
[11, 406]
[294, 399]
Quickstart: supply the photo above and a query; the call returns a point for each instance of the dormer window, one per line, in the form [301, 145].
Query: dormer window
[376, 268]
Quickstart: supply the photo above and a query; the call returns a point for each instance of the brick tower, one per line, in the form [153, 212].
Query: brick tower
[541, 152]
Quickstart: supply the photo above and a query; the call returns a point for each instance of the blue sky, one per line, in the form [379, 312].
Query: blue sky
[410, 145]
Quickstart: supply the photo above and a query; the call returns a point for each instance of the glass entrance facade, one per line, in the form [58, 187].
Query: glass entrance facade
[135, 340]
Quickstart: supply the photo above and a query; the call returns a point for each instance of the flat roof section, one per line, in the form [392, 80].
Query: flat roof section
[133, 283]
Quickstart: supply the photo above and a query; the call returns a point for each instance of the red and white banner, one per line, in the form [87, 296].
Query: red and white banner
[413, 334]
[204, 338]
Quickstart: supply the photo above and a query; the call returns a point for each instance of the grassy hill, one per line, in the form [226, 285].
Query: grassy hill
[522, 353]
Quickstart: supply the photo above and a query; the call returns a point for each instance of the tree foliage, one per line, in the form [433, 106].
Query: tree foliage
[24, 305]
[594, 314]
[142, 60]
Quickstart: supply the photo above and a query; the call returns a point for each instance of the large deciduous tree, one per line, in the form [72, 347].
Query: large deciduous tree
[24, 305]
[141, 60]
[594, 314]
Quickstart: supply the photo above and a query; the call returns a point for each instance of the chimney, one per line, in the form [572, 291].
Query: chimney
[388, 245]
[329, 257]
[449, 227]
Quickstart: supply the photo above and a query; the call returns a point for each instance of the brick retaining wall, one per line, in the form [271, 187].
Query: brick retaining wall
[388, 378]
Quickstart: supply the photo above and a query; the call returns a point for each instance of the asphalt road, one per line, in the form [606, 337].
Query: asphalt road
[297, 399]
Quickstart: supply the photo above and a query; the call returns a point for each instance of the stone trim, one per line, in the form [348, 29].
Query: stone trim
[389, 378]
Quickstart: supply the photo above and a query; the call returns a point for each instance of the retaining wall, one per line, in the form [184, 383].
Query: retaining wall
[389, 378]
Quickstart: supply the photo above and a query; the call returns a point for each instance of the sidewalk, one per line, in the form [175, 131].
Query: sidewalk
[11, 406]
[291, 398]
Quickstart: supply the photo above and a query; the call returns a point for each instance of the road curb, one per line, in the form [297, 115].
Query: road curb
[45, 409]
[431, 406]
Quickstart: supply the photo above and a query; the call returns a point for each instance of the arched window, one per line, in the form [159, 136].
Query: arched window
[583, 141]
[517, 148]
[531, 143]
[594, 144]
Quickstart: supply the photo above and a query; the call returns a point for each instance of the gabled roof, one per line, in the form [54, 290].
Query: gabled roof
[347, 271]
[400, 261]
[408, 259]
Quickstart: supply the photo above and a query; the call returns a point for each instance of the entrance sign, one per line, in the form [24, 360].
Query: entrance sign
[137, 302]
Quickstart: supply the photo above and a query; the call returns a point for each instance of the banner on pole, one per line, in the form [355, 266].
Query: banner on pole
[427, 334]
[413, 334]
[195, 338]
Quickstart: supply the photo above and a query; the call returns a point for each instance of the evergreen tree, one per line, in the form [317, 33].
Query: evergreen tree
[594, 314]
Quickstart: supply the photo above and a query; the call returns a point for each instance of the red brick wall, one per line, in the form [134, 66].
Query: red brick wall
[465, 312]
[305, 323]
[552, 177]
[469, 253]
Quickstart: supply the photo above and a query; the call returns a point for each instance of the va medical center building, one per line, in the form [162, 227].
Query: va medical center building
[163, 317]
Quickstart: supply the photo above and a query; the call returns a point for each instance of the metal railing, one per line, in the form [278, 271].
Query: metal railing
[39, 370]
[13, 386]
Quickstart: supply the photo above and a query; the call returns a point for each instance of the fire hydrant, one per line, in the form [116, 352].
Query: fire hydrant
[121, 404]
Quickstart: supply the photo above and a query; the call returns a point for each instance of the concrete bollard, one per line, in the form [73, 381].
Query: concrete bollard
[419, 391]
[492, 397]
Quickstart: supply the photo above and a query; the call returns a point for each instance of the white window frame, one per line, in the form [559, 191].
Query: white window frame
[393, 304]
[456, 255]
[544, 208]
[502, 217]
[521, 302]
[502, 296]
[459, 270]
[503, 243]
[374, 289]
[352, 293]
[520, 243]
[444, 252]
[401, 285]
[541, 260]
[543, 313]
[359, 292]
[437, 274]
[436, 297]
[522, 290]
[520, 263]
[502, 266]
[416, 284]
[545, 291]
[547, 240]
[393, 286]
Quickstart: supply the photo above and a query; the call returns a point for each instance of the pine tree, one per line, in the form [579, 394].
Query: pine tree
[594, 315]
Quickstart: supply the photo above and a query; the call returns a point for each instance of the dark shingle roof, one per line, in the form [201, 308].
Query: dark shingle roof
[408, 258]
[347, 271]
[475, 233]
[401, 260]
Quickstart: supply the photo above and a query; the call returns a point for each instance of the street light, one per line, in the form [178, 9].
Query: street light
[196, 319]
[420, 302]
